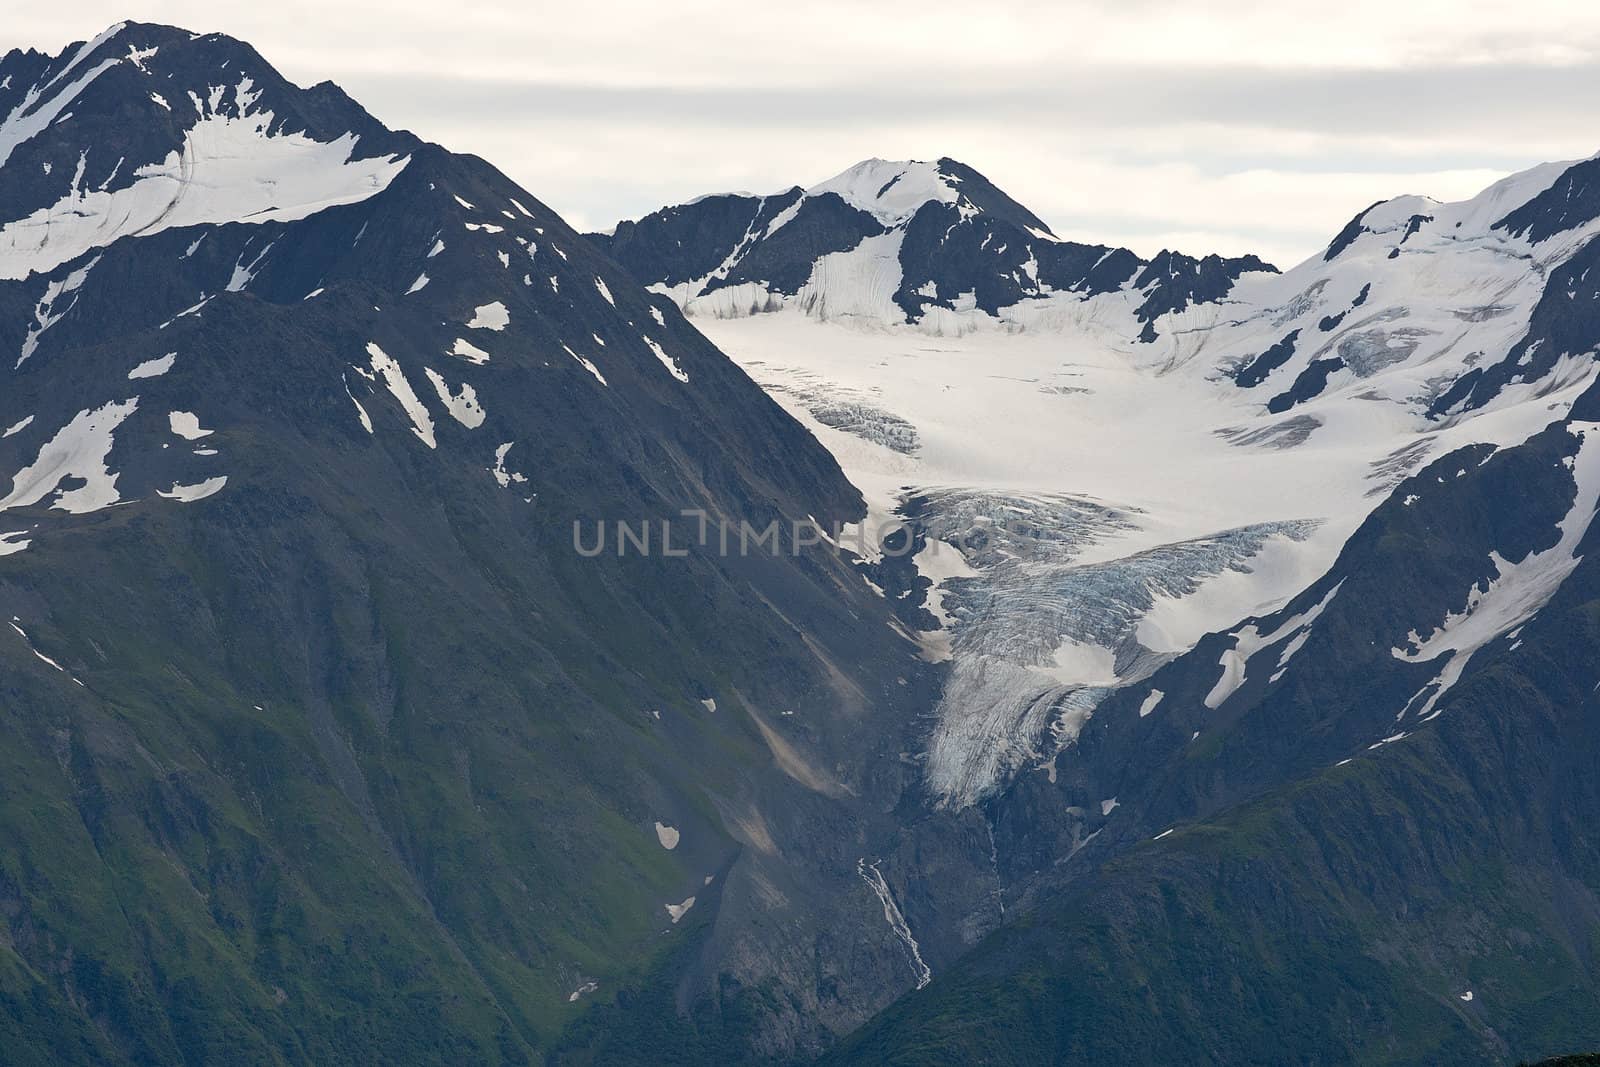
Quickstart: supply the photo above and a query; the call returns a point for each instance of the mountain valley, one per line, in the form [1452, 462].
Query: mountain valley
[1194, 660]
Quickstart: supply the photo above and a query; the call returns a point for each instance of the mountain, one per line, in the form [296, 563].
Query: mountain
[326, 736]
[1265, 637]
[1444, 308]
[1103, 499]
[438, 636]
[885, 242]
[1376, 846]
[115, 139]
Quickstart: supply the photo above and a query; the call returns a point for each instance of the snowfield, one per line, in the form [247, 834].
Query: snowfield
[1110, 502]
[230, 170]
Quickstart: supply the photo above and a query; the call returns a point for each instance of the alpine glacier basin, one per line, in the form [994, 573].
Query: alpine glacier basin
[1081, 512]
[1115, 456]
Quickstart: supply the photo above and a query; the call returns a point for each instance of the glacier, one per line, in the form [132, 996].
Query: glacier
[1091, 501]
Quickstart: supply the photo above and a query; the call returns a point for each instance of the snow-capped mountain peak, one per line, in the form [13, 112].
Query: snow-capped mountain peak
[894, 191]
[891, 191]
[147, 128]
[175, 186]
[884, 243]
[1394, 221]
[1431, 306]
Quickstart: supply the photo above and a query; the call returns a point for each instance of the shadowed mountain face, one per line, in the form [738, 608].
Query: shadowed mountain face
[323, 739]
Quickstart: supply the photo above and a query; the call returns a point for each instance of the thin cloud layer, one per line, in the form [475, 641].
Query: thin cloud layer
[1238, 127]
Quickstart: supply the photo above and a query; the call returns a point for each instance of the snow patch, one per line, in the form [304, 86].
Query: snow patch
[39, 108]
[137, 56]
[463, 406]
[153, 368]
[468, 351]
[186, 424]
[1516, 593]
[492, 316]
[230, 170]
[1150, 702]
[78, 450]
[46, 660]
[505, 477]
[243, 275]
[47, 313]
[188, 494]
[394, 380]
[361, 412]
[1250, 640]
[666, 360]
[588, 366]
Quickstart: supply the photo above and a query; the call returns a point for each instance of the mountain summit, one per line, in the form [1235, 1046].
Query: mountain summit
[149, 128]
[896, 242]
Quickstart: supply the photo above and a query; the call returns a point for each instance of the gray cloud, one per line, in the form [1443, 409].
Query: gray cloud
[1415, 101]
[1238, 124]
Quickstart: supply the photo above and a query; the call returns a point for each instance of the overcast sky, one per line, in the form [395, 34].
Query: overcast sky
[1233, 126]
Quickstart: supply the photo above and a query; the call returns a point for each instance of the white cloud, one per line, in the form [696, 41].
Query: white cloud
[1232, 126]
[713, 42]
